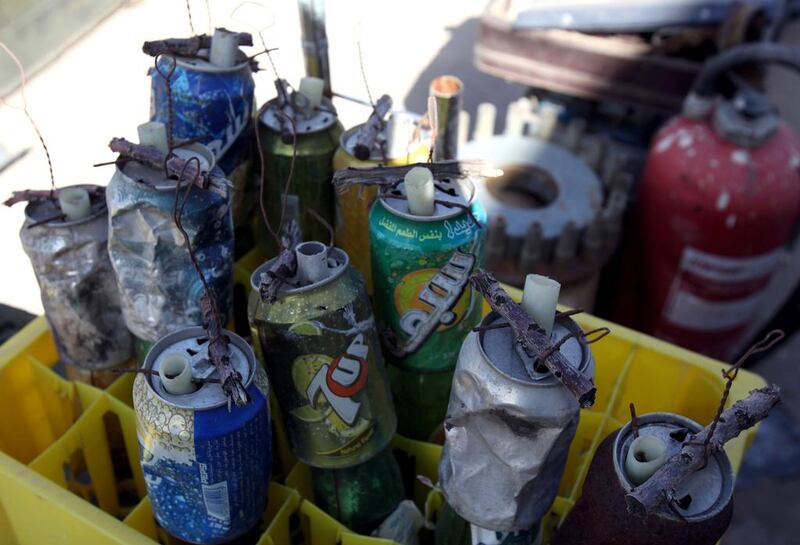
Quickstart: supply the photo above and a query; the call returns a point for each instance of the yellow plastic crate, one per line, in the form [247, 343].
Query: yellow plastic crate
[69, 462]
[69, 469]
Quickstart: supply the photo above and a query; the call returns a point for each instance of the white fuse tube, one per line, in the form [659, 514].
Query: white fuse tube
[154, 134]
[420, 191]
[645, 456]
[539, 299]
[312, 88]
[224, 48]
[176, 375]
[312, 262]
[74, 203]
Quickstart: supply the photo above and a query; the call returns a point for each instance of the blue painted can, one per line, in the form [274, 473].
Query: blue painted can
[206, 468]
[216, 105]
[158, 285]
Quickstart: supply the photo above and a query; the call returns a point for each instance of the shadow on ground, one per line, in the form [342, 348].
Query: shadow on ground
[456, 58]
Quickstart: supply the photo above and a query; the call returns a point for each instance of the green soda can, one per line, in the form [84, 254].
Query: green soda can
[316, 130]
[362, 496]
[321, 349]
[421, 267]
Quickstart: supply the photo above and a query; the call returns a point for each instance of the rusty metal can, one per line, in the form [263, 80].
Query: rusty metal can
[317, 137]
[158, 284]
[353, 203]
[78, 287]
[206, 465]
[321, 348]
[705, 500]
[421, 267]
[508, 432]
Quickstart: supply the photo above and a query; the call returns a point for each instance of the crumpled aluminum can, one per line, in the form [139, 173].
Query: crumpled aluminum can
[78, 288]
[159, 286]
[507, 433]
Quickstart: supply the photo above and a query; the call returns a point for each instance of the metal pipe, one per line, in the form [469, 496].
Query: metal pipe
[315, 41]
[705, 85]
[448, 91]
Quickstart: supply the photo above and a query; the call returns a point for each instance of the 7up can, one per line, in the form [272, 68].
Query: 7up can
[420, 268]
[322, 352]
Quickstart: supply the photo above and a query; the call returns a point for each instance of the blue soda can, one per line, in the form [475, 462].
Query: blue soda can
[214, 104]
[158, 284]
[206, 467]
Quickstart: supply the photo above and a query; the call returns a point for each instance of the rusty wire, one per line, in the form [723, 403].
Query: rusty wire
[177, 211]
[324, 223]
[275, 234]
[167, 77]
[769, 340]
[23, 84]
[634, 421]
[559, 316]
[381, 143]
[189, 12]
[602, 331]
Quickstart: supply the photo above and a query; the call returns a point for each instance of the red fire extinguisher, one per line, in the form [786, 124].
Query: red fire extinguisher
[720, 199]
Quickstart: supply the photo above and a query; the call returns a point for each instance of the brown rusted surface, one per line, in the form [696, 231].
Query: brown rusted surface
[27, 195]
[368, 132]
[600, 516]
[615, 67]
[744, 414]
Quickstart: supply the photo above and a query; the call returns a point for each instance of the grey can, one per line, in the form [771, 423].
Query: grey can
[78, 289]
[507, 433]
[158, 284]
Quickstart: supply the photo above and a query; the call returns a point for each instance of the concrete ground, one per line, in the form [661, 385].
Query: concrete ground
[98, 89]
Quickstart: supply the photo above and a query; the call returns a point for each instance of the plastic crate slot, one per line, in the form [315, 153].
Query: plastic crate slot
[76, 475]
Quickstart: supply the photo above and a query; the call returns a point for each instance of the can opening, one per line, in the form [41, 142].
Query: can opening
[446, 86]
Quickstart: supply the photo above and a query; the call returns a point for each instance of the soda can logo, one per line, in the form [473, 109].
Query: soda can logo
[334, 383]
[429, 300]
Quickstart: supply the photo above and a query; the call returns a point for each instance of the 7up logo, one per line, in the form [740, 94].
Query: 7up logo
[341, 379]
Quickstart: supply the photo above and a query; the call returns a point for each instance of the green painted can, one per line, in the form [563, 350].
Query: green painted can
[360, 497]
[421, 267]
[317, 139]
[322, 352]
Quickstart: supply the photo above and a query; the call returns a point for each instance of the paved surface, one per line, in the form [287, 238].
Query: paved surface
[98, 89]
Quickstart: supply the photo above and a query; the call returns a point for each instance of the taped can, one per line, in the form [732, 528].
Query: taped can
[421, 267]
[353, 204]
[600, 515]
[317, 138]
[206, 467]
[213, 105]
[322, 351]
[507, 432]
[78, 287]
[158, 284]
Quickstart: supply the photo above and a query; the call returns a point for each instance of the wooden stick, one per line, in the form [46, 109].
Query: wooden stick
[387, 176]
[187, 47]
[283, 268]
[365, 139]
[153, 158]
[28, 195]
[532, 338]
[219, 354]
[660, 489]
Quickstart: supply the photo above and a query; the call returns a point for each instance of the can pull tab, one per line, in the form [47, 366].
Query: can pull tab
[646, 455]
[176, 375]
